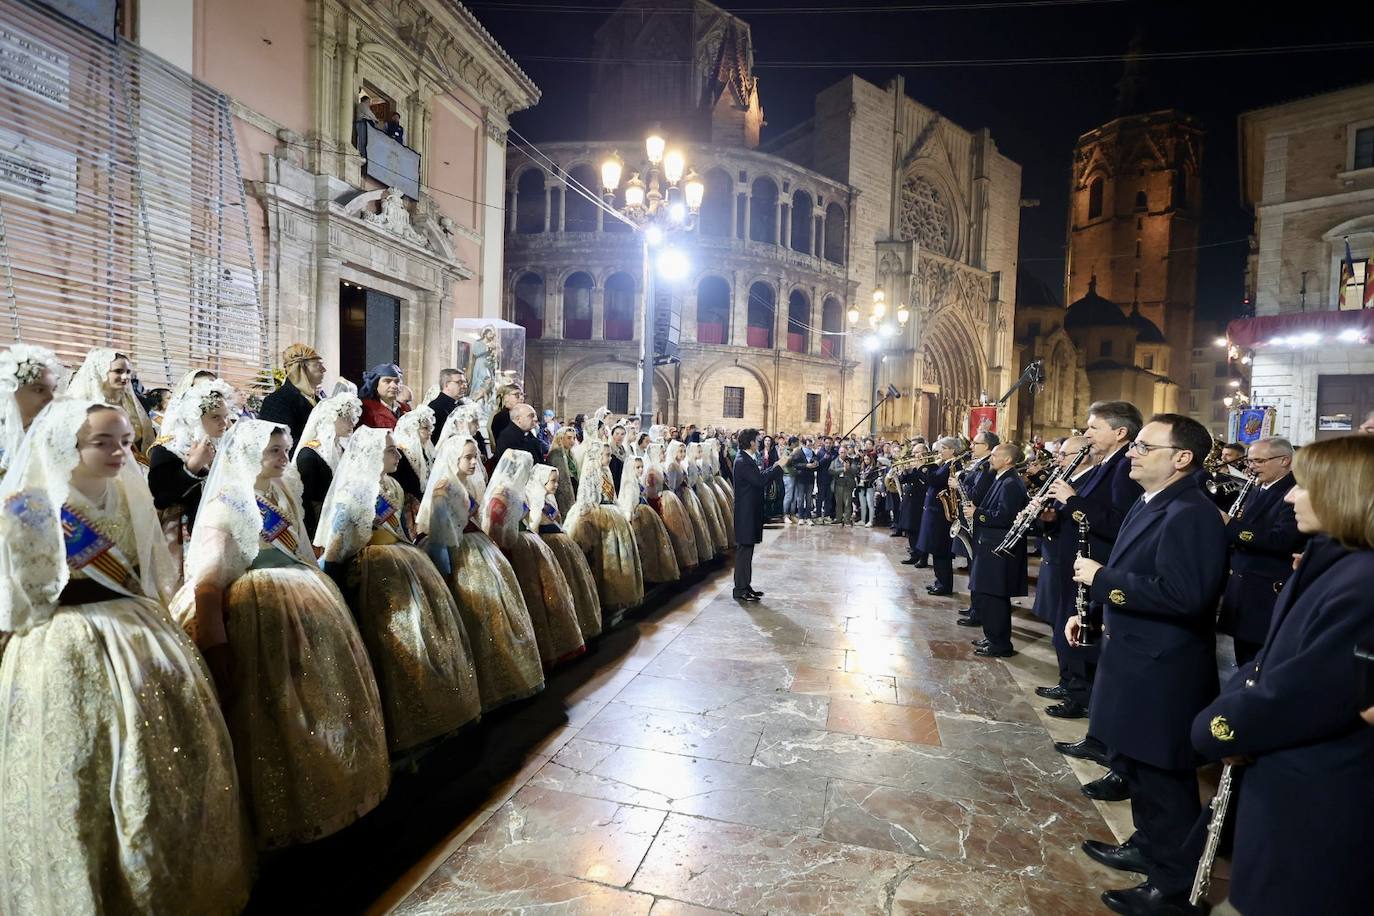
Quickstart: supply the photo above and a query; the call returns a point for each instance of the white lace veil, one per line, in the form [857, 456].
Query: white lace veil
[181, 427]
[344, 386]
[412, 438]
[350, 507]
[88, 383]
[672, 464]
[535, 497]
[229, 525]
[320, 427]
[627, 500]
[653, 472]
[710, 451]
[431, 393]
[20, 365]
[504, 502]
[444, 510]
[458, 422]
[189, 379]
[589, 489]
[33, 554]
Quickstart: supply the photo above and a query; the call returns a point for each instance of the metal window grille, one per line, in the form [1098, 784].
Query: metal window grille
[618, 397]
[813, 408]
[734, 403]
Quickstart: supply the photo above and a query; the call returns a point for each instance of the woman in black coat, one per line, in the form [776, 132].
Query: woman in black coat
[1290, 720]
[934, 536]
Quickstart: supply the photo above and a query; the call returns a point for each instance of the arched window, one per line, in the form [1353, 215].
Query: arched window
[529, 202]
[801, 222]
[715, 205]
[577, 307]
[763, 211]
[798, 321]
[608, 222]
[580, 215]
[529, 305]
[834, 234]
[762, 305]
[713, 311]
[1180, 189]
[832, 328]
[1141, 202]
[1095, 198]
[620, 307]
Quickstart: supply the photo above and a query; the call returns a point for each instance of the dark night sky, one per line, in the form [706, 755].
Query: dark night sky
[1035, 111]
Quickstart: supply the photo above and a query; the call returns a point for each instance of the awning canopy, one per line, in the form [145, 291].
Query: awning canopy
[1303, 329]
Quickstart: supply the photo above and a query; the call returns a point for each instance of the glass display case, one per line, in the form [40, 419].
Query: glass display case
[490, 350]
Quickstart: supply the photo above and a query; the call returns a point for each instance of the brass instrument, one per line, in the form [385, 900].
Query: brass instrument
[1021, 524]
[957, 529]
[918, 461]
[1215, 823]
[1238, 507]
[951, 501]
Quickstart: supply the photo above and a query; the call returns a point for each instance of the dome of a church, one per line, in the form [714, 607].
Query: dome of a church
[1093, 311]
[1147, 331]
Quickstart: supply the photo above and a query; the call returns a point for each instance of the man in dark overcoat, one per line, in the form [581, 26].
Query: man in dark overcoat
[996, 579]
[750, 484]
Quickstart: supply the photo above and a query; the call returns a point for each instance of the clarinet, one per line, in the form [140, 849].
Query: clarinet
[1238, 507]
[1021, 524]
[1203, 879]
[1080, 599]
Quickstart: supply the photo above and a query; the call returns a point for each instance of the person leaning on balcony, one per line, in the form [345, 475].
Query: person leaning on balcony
[362, 116]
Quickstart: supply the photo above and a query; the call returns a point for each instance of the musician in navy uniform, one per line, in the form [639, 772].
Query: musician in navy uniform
[1262, 540]
[1290, 719]
[995, 579]
[1158, 667]
[1102, 498]
[912, 482]
[934, 536]
[750, 484]
[1058, 546]
[975, 482]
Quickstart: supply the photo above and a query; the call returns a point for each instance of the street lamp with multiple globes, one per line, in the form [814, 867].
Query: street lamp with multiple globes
[880, 330]
[667, 202]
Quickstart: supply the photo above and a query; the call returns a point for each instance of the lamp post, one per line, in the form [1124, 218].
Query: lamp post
[880, 330]
[665, 202]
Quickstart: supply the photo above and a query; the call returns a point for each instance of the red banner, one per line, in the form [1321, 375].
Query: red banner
[981, 419]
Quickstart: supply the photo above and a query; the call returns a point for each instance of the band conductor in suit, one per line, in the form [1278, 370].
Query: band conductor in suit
[750, 484]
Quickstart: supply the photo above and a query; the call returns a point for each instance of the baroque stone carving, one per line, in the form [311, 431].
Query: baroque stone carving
[395, 218]
[926, 216]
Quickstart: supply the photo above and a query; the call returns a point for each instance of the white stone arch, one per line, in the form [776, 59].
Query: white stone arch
[383, 68]
[732, 362]
[605, 273]
[519, 171]
[582, 366]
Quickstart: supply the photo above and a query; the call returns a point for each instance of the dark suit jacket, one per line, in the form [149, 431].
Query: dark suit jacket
[442, 406]
[515, 437]
[1306, 803]
[977, 481]
[934, 537]
[172, 485]
[1263, 541]
[1160, 589]
[913, 493]
[750, 483]
[289, 407]
[1104, 497]
[993, 574]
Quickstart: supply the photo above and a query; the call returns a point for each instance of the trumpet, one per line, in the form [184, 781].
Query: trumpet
[918, 461]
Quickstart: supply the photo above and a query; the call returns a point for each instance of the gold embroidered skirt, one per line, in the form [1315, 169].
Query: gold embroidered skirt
[581, 582]
[418, 645]
[725, 503]
[549, 600]
[117, 785]
[680, 533]
[498, 623]
[656, 556]
[608, 543]
[711, 512]
[304, 710]
[706, 545]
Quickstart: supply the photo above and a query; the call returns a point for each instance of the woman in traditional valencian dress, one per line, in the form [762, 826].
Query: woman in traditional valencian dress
[665, 502]
[327, 433]
[544, 517]
[412, 435]
[656, 557]
[409, 622]
[693, 466]
[180, 461]
[297, 687]
[561, 457]
[548, 597]
[604, 535]
[710, 468]
[117, 785]
[498, 624]
[106, 377]
[676, 476]
[29, 377]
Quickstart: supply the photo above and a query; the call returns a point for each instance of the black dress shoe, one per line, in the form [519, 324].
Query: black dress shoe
[966, 612]
[1057, 692]
[978, 643]
[1147, 900]
[990, 652]
[909, 561]
[897, 534]
[1111, 787]
[1123, 858]
[921, 564]
[968, 622]
[756, 594]
[939, 592]
[1068, 709]
[1087, 749]
[745, 596]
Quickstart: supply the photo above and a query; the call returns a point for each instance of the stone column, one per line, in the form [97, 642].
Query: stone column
[748, 209]
[734, 213]
[780, 312]
[813, 336]
[777, 224]
[548, 204]
[689, 315]
[738, 333]
[514, 200]
[816, 242]
[432, 348]
[785, 226]
[326, 339]
[493, 189]
[820, 238]
[562, 207]
[598, 313]
[553, 311]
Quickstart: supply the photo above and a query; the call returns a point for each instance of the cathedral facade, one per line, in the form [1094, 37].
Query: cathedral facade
[874, 191]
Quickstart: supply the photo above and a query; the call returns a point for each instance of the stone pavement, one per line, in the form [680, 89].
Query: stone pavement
[836, 748]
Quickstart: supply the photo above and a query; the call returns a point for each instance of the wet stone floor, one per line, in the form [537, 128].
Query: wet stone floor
[835, 748]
